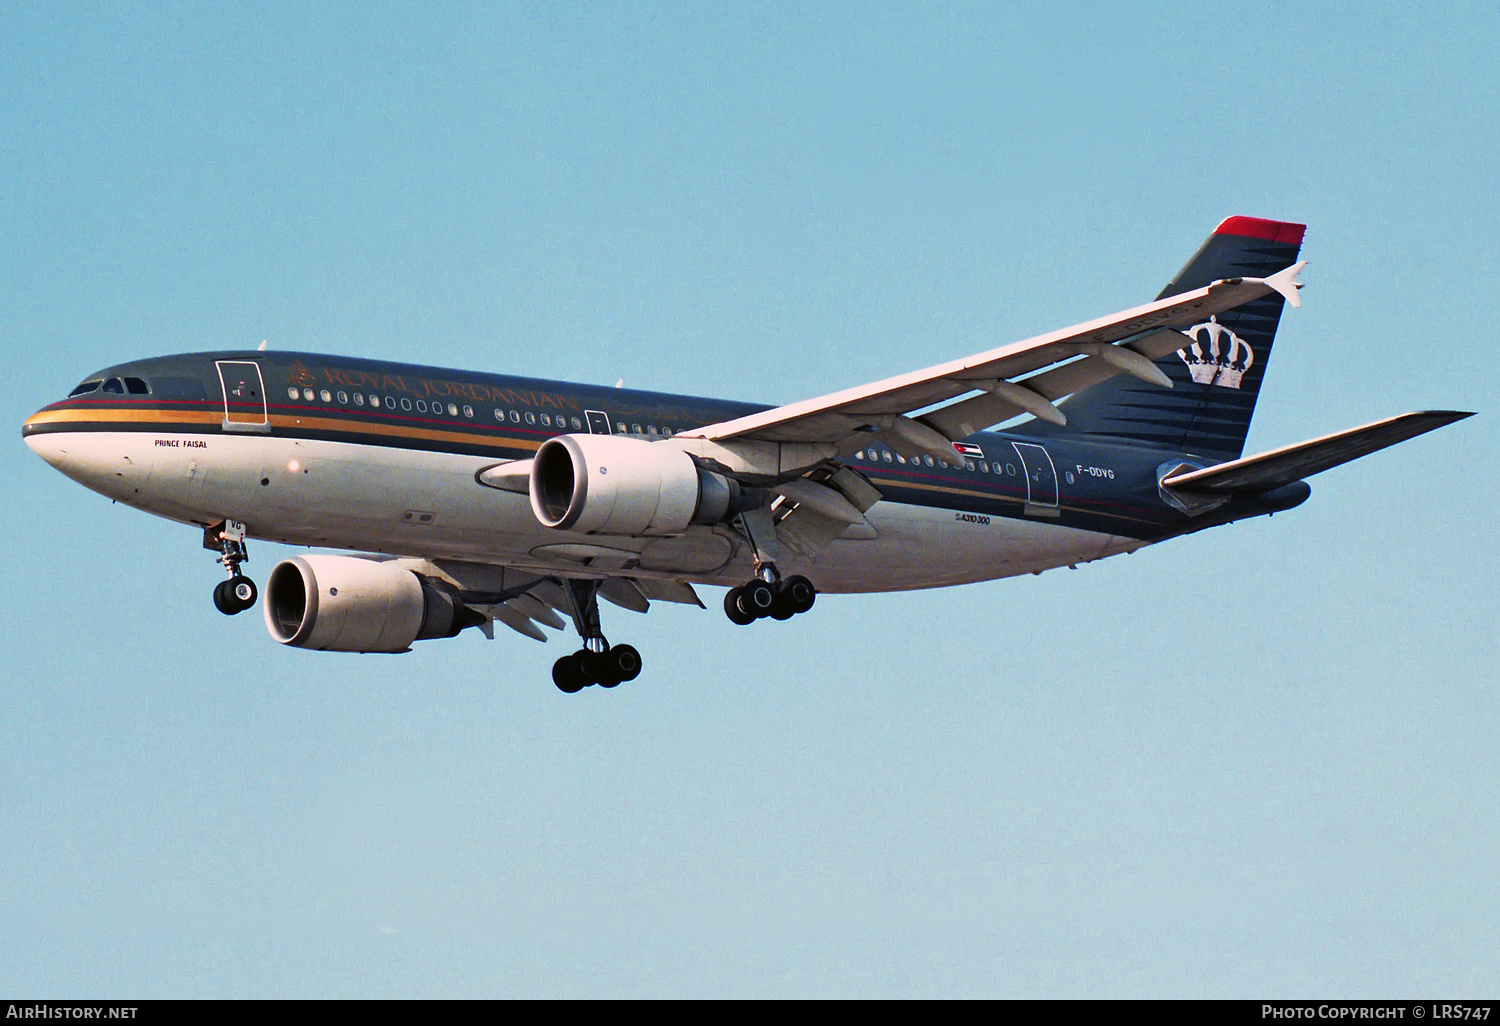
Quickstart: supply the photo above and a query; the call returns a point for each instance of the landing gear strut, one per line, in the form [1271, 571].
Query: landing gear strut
[238, 593]
[597, 662]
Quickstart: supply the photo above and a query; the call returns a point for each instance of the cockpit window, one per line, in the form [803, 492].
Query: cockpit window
[115, 385]
[136, 386]
[86, 387]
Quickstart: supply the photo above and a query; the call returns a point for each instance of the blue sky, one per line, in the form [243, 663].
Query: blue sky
[1257, 761]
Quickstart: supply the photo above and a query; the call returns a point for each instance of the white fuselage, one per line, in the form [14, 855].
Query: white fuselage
[420, 503]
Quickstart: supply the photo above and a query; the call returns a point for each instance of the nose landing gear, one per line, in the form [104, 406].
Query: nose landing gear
[238, 593]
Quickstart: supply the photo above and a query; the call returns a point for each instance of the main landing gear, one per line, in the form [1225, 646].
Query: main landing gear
[767, 594]
[780, 600]
[597, 662]
[238, 593]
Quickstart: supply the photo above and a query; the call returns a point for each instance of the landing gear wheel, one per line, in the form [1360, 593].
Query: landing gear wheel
[592, 666]
[756, 599]
[732, 608]
[234, 595]
[580, 666]
[562, 676]
[624, 662]
[242, 590]
[798, 593]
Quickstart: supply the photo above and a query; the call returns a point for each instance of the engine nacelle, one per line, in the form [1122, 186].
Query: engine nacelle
[606, 484]
[347, 604]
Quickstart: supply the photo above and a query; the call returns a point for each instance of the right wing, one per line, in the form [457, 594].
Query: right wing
[1023, 378]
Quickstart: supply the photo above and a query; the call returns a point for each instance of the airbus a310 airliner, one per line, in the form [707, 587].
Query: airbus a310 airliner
[475, 498]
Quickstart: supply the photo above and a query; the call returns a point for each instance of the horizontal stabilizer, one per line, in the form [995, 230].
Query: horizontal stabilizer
[1265, 471]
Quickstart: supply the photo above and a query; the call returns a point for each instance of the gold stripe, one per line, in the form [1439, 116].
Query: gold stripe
[169, 418]
[117, 415]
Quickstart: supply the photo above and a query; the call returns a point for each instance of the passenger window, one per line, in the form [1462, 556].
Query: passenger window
[515, 417]
[546, 420]
[927, 460]
[637, 429]
[85, 388]
[577, 424]
[622, 429]
[115, 385]
[650, 429]
[530, 417]
[499, 414]
[1010, 469]
[359, 399]
[405, 404]
[326, 396]
[969, 466]
[984, 468]
[421, 405]
[886, 456]
[343, 398]
[374, 400]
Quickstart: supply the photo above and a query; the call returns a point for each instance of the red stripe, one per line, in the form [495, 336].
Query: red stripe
[1255, 228]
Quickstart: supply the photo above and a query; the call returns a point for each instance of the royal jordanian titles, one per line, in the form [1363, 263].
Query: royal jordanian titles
[470, 498]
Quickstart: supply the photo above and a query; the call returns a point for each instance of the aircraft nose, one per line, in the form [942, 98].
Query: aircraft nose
[118, 466]
[49, 447]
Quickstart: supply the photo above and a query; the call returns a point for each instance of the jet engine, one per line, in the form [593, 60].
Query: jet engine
[348, 604]
[605, 484]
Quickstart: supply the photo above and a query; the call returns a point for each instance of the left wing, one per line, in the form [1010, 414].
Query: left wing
[1277, 467]
[1022, 378]
[528, 600]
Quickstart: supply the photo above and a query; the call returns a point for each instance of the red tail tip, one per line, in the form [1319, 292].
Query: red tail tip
[1273, 231]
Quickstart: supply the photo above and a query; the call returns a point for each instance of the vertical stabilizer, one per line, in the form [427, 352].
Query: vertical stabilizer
[1216, 379]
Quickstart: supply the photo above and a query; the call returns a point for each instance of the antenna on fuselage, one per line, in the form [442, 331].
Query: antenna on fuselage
[262, 347]
[620, 383]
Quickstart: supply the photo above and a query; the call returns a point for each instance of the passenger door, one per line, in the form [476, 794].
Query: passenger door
[244, 396]
[1041, 480]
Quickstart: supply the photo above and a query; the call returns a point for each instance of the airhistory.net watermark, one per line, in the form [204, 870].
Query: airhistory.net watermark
[43, 1010]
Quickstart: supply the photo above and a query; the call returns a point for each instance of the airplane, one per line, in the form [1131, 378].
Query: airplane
[469, 498]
